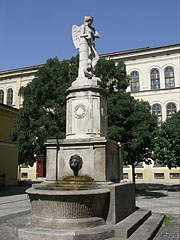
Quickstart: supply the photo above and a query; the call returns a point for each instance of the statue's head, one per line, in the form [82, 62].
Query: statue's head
[75, 163]
[88, 20]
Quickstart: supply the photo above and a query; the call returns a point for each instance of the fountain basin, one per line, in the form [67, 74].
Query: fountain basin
[69, 209]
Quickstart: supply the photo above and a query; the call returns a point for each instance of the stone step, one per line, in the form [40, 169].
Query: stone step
[19, 222]
[37, 233]
[115, 238]
[129, 225]
[149, 228]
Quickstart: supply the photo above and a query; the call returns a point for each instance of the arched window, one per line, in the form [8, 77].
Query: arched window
[9, 96]
[134, 82]
[169, 77]
[155, 80]
[1, 96]
[170, 109]
[156, 110]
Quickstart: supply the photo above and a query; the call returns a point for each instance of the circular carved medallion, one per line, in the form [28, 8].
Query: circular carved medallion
[80, 111]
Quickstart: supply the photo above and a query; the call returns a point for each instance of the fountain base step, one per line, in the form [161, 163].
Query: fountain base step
[139, 225]
[23, 229]
[89, 222]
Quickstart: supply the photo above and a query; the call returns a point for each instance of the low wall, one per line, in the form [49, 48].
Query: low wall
[122, 201]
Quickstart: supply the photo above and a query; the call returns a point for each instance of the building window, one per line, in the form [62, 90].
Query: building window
[24, 175]
[171, 109]
[155, 80]
[169, 77]
[1, 96]
[9, 96]
[125, 175]
[134, 82]
[138, 175]
[159, 175]
[156, 110]
[175, 175]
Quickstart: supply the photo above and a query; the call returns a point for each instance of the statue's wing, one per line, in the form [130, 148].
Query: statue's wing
[76, 35]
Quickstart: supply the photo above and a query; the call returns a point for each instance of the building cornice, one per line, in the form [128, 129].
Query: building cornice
[155, 90]
[9, 108]
[6, 144]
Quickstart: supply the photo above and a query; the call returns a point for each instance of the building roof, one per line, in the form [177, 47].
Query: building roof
[137, 50]
[23, 69]
[125, 51]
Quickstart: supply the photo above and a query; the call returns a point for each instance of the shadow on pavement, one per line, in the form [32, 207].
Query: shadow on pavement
[148, 194]
[14, 190]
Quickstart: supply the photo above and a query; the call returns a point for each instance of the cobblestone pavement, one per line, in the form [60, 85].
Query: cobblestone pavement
[171, 231]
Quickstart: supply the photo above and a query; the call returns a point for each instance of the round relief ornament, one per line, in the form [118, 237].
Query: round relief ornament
[80, 111]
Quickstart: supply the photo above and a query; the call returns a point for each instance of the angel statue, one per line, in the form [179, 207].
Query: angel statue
[83, 38]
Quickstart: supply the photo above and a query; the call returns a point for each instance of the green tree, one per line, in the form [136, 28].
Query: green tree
[129, 121]
[43, 113]
[166, 146]
[132, 124]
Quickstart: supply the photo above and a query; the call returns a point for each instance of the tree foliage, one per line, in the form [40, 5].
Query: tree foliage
[44, 110]
[166, 145]
[113, 75]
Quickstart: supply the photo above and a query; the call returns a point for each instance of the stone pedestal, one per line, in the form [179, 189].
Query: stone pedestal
[102, 158]
[86, 109]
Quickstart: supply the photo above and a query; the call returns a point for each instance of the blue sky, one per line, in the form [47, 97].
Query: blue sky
[33, 31]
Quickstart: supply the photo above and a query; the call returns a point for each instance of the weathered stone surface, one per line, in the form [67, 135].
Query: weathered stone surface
[97, 233]
[128, 226]
[68, 209]
[122, 201]
[86, 110]
[102, 158]
[149, 228]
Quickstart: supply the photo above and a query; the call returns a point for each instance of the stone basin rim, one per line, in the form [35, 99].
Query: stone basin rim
[66, 192]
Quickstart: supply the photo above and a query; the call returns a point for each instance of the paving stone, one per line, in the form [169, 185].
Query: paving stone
[6, 232]
[170, 232]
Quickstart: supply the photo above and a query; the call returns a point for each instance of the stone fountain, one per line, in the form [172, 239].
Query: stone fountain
[92, 213]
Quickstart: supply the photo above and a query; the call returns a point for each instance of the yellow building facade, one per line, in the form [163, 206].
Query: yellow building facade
[8, 149]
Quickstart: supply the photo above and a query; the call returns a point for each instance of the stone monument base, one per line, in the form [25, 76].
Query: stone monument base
[102, 158]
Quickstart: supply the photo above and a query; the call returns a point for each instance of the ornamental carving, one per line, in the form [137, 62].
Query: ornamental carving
[80, 111]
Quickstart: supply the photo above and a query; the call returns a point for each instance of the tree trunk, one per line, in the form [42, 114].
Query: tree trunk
[133, 173]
